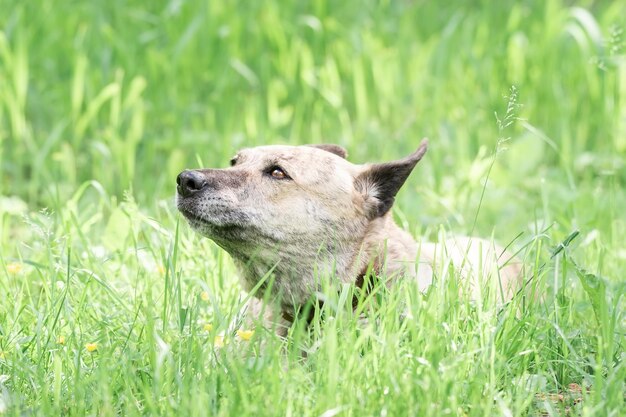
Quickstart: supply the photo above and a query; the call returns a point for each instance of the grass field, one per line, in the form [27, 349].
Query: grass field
[110, 305]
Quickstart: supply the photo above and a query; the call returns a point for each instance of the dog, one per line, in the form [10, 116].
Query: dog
[301, 212]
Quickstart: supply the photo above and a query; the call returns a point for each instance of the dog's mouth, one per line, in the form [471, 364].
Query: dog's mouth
[188, 209]
[220, 221]
[222, 233]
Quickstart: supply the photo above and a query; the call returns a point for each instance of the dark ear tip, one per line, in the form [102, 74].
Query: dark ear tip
[421, 150]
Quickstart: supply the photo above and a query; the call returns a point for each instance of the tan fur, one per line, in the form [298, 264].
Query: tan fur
[328, 218]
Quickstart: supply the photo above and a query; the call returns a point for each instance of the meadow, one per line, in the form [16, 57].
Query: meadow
[111, 306]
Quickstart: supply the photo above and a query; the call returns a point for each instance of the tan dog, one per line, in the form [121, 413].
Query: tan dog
[303, 212]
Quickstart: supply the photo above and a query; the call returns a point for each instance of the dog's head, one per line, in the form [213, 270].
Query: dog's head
[290, 199]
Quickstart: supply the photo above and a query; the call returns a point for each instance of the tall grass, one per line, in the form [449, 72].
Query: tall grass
[103, 103]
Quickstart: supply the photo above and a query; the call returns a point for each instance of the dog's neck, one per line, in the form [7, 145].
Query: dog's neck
[387, 249]
[295, 276]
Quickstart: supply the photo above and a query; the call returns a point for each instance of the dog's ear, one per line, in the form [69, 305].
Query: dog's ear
[329, 147]
[379, 183]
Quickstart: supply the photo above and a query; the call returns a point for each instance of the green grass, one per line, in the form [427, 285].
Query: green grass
[103, 103]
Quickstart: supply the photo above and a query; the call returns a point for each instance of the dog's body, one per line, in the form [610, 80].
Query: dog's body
[304, 212]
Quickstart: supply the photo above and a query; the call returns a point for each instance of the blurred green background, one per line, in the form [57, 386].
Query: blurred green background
[128, 93]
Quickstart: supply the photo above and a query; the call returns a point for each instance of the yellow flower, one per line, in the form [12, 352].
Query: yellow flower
[61, 340]
[91, 347]
[208, 327]
[2, 355]
[160, 269]
[14, 268]
[218, 342]
[245, 334]
[204, 296]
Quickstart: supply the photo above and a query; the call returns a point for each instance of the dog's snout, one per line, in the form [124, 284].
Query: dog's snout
[190, 182]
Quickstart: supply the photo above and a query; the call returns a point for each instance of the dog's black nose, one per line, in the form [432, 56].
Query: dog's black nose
[190, 182]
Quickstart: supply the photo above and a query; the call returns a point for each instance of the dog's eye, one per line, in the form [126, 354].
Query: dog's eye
[233, 161]
[278, 173]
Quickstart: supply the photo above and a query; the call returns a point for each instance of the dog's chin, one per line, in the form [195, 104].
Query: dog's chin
[194, 219]
[222, 229]
[198, 219]
[200, 222]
